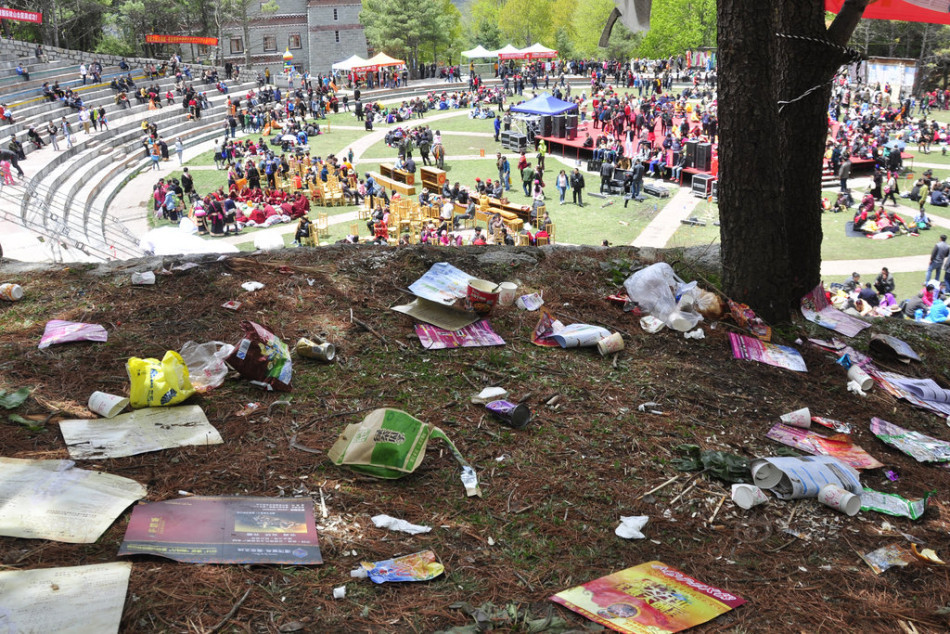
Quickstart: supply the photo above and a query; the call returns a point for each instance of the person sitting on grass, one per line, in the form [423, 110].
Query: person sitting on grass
[922, 221]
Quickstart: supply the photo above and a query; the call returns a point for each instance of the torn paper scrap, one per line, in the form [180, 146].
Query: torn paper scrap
[477, 335]
[840, 445]
[141, 431]
[751, 349]
[393, 524]
[75, 600]
[631, 527]
[52, 499]
[916, 445]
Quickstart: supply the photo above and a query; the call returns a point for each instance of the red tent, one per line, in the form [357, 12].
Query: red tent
[932, 11]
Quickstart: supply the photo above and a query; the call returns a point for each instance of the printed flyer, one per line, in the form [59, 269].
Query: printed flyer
[816, 309]
[752, 349]
[648, 599]
[473, 336]
[225, 530]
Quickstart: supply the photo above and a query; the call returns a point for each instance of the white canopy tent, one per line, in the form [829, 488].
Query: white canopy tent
[508, 52]
[350, 63]
[478, 51]
[378, 61]
[537, 51]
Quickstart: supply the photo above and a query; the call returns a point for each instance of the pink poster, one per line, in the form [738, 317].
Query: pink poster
[472, 336]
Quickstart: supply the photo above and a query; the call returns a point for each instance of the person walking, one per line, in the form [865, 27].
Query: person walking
[52, 131]
[527, 178]
[844, 173]
[67, 133]
[937, 258]
[577, 185]
[180, 150]
[561, 183]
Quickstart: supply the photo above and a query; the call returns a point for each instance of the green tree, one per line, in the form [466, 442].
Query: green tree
[679, 25]
[524, 22]
[403, 28]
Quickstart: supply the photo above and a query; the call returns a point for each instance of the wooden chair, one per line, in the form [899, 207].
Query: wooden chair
[323, 226]
[542, 240]
[355, 229]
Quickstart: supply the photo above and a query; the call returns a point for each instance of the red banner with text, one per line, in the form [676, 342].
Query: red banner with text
[181, 39]
[22, 16]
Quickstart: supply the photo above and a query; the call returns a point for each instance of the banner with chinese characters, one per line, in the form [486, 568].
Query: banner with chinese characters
[22, 16]
[225, 530]
[181, 39]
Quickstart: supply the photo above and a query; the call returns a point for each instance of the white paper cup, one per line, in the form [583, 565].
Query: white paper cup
[746, 496]
[610, 344]
[507, 293]
[108, 405]
[798, 418]
[837, 498]
[859, 376]
[765, 475]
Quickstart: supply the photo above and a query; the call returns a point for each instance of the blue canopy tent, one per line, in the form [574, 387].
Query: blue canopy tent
[544, 105]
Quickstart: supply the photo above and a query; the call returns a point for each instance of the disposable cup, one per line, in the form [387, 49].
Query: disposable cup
[746, 496]
[798, 418]
[507, 293]
[765, 475]
[107, 405]
[859, 376]
[839, 499]
[148, 277]
[611, 344]
[11, 292]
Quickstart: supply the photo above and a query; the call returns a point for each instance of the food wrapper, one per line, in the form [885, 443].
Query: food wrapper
[891, 504]
[421, 566]
[158, 383]
[262, 358]
[887, 557]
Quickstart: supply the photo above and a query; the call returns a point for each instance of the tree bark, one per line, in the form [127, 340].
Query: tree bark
[770, 160]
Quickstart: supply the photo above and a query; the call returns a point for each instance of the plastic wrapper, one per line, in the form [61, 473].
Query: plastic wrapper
[887, 557]
[158, 383]
[891, 504]
[421, 566]
[205, 363]
[262, 358]
[58, 331]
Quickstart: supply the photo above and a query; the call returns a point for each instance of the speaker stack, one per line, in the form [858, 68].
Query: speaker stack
[570, 133]
[559, 126]
[547, 125]
[704, 157]
[691, 146]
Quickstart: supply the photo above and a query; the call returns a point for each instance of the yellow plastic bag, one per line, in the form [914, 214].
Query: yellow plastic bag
[159, 383]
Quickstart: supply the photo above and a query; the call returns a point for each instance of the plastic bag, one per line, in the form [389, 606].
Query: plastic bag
[262, 358]
[652, 289]
[710, 305]
[205, 363]
[158, 383]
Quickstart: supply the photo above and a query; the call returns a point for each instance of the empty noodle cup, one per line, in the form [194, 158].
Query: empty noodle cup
[107, 405]
[483, 295]
[859, 376]
[839, 499]
[507, 293]
[798, 418]
[746, 496]
[611, 344]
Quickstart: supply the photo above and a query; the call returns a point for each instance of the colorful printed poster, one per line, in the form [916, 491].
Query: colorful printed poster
[916, 445]
[544, 331]
[474, 335]
[838, 446]
[922, 393]
[752, 349]
[225, 530]
[816, 309]
[443, 284]
[648, 599]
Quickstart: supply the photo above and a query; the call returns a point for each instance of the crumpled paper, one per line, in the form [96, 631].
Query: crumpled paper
[630, 527]
[393, 524]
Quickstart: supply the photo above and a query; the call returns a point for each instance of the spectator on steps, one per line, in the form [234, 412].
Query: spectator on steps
[23, 72]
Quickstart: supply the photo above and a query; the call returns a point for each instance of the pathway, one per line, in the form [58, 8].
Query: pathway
[664, 224]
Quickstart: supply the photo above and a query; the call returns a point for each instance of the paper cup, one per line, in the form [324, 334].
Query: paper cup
[11, 292]
[107, 405]
[611, 344]
[798, 418]
[482, 296]
[765, 475]
[859, 376]
[507, 293]
[746, 496]
[837, 498]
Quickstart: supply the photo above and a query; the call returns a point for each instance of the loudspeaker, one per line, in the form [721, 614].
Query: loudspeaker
[559, 126]
[547, 125]
[571, 121]
[504, 136]
[715, 190]
[691, 146]
[704, 156]
[570, 133]
[518, 142]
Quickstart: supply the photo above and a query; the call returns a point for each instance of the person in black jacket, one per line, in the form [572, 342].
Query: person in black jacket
[577, 185]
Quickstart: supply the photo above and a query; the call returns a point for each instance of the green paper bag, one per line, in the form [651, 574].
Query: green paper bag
[389, 443]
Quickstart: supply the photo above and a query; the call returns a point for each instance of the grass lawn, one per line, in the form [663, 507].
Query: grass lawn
[691, 235]
[454, 146]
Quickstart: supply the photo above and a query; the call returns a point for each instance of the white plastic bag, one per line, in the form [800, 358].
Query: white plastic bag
[652, 288]
[205, 363]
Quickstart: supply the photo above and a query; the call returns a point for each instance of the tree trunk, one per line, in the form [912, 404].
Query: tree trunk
[754, 260]
[770, 160]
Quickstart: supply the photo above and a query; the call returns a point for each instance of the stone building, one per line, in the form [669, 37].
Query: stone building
[317, 32]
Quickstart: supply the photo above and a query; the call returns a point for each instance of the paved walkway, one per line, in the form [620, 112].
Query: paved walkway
[664, 224]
